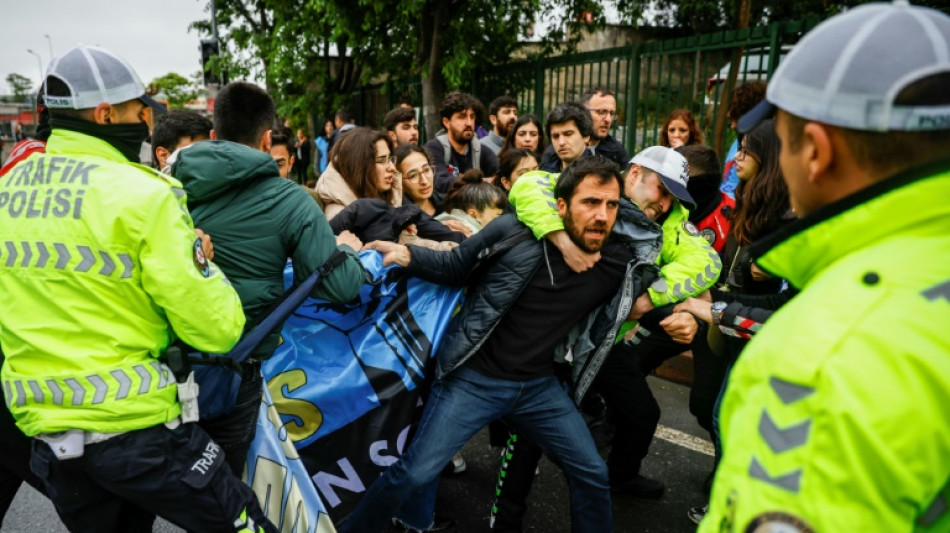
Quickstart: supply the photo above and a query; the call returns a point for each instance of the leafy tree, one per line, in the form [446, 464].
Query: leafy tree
[177, 88]
[20, 85]
[313, 53]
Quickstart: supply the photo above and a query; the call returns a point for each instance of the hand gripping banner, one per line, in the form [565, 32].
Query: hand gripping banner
[346, 381]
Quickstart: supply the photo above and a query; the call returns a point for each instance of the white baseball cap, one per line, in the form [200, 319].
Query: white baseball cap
[849, 70]
[672, 168]
[94, 75]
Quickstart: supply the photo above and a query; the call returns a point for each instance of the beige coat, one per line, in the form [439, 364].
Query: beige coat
[336, 194]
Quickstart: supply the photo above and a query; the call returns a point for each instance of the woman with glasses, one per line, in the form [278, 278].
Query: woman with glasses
[364, 160]
[418, 178]
[680, 129]
[373, 216]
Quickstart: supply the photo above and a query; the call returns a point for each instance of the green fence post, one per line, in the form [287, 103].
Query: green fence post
[539, 90]
[775, 47]
[633, 99]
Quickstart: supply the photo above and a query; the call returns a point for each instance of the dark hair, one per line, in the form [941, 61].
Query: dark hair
[593, 91]
[580, 168]
[455, 102]
[702, 159]
[744, 98]
[500, 102]
[282, 136]
[566, 112]
[761, 202]
[405, 150]
[471, 190]
[243, 112]
[695, 136]
[344, 115]
[508, 161]
[177, 123]
[889, 152]
[522, 120]
[396, 116]
[354, 157]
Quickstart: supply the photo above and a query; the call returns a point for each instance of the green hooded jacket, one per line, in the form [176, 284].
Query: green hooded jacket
[257, 220]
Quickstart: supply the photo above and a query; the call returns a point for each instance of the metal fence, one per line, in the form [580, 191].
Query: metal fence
[649, 79]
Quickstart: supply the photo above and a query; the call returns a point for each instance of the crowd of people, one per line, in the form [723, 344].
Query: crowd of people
[807, 276]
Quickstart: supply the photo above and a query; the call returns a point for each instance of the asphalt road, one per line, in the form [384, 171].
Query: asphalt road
[680, 456]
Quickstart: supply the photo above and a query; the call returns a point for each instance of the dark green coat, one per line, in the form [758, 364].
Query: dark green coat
[257, 220]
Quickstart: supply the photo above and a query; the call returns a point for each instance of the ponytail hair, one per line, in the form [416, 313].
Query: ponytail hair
[471, 191]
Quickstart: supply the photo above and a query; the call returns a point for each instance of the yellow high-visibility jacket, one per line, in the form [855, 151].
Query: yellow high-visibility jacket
[99, 268]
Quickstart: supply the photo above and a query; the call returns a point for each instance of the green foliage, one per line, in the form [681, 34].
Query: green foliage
[176, 88]
[313, 53]
[20, 85]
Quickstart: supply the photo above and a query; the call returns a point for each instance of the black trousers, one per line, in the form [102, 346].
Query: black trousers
[178, 474]
[235, 430]
[632, 408]
[14, 461]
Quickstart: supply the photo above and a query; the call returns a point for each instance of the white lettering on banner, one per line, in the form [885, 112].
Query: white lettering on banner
[207, 458]
[381, 445]
[325, 482]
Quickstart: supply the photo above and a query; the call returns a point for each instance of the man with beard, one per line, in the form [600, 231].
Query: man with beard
[458, 149]
[497, 358]
[503, 113]
[401, 126]
[602, 106]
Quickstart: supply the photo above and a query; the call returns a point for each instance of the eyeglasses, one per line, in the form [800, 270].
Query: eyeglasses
[604, 112]
[415, 174]
[742, 153]
[386, 159]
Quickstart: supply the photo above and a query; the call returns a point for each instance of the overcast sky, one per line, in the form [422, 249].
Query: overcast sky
[152, 36]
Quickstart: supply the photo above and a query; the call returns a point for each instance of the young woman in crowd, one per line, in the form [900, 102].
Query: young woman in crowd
[473, 201]
[418, 178]
[365, 168]
[680, 129]
[527, 134]
[512, 164]
[746, 292]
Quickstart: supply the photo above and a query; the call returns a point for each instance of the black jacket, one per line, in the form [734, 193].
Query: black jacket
[609, 148]
[372, 219]
[500, 260]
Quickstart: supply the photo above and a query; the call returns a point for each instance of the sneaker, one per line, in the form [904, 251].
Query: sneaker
[456, 466]
[696, 514]
[640, 487]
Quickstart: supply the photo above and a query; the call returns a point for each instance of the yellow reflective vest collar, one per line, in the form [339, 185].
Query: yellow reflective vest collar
[73, 142]
[799, 251]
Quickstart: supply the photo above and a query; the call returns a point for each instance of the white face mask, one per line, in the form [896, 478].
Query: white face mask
[167, 169]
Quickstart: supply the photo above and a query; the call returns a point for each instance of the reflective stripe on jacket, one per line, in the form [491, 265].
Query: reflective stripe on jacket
[835, 415]
[99, 265]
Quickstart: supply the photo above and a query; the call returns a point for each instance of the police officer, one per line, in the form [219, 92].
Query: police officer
[102, 268]
[835, 417]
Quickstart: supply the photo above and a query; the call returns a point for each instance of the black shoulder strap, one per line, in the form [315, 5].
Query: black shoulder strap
[263, 324]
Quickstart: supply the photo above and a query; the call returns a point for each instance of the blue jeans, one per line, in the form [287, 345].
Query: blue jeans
[459, 406]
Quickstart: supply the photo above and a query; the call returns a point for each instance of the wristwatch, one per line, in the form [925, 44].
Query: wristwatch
[717, 309]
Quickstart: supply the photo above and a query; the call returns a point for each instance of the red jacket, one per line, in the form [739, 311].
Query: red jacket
[715, 226]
